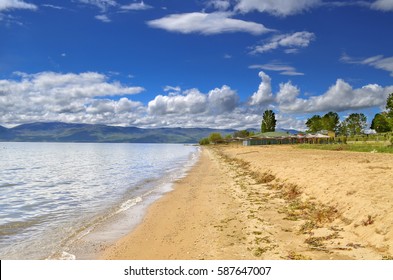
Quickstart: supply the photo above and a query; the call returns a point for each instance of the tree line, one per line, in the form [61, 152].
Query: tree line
[355, 123]
[352, 125]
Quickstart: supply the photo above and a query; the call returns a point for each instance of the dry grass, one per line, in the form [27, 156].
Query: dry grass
[368, 221]
[318, 242]
[295, 256]
[291, 191]
[262, 177]
[314, 214]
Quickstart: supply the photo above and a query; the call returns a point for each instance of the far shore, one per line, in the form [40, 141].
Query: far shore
[270, 202]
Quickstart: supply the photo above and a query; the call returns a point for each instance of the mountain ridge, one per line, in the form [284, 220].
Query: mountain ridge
[82, 133]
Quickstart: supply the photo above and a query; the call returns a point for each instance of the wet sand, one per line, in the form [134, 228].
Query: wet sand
[271, 202]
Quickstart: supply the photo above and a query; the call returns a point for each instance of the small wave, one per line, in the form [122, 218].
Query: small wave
[16, 227]
[67, 256]
[129, 203]
[64, 256]
[5, 185]
[15, 169]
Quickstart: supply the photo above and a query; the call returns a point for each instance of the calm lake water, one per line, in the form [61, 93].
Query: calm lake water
[64, 200]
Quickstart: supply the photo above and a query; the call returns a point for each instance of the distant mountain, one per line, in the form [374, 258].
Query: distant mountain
[66, 132]
[289, 131]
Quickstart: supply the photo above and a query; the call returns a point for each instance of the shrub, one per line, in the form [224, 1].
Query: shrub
[204, 141]
[215, 137]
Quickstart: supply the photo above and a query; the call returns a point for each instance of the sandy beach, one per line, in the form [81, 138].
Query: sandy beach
[271, 202]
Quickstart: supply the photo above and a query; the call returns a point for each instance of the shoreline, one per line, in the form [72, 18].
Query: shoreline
[177, 225]
[223, 210]
[126, 216]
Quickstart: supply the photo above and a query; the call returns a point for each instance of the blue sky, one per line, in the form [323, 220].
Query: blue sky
[196, 63]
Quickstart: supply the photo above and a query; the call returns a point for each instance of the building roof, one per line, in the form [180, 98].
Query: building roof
[271, 135]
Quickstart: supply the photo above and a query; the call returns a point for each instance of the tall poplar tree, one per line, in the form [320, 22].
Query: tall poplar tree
[268, 121]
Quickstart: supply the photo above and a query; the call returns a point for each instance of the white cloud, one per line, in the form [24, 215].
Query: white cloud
[207, 24]
[278, 67]
[276, 7]
[264, 94]
[172, 89]
[104, 5]
[52, 6]
[378, 62]
[6, 5]
[222, 100]
[191, 102]
[221, 5]
[287, 94]
[83, 98]
[136, 6]
[340, 97]
[383, 5]
[50, 96]
[290, 122]
[104, 106]
[216, 102]
[291, 42]
[103, 18]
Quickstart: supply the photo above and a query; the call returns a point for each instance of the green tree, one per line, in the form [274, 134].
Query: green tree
[342, 129]
[215, 137]
[389, 105]
[204, 141]
[314, 124]
[389, 110]
[268, 121]
[330, 121]
[354, 124]
[380, 123]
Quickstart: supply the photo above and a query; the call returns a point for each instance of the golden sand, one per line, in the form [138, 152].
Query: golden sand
[271, 202]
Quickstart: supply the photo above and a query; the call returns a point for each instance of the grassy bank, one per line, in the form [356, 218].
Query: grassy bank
[371, 147]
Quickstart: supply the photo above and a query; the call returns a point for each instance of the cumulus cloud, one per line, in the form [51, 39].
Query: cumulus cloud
[378, 62]
[207, 24]
[287, 94]
[341, 97]
[264, 94]
[222, 100]
[94, 98]
[290, 42]
[191, 102]
[136, 6]
[64, 97]
[383, 5]
[277, 67]
[276, 7]
[6, 5]
[217, 101]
